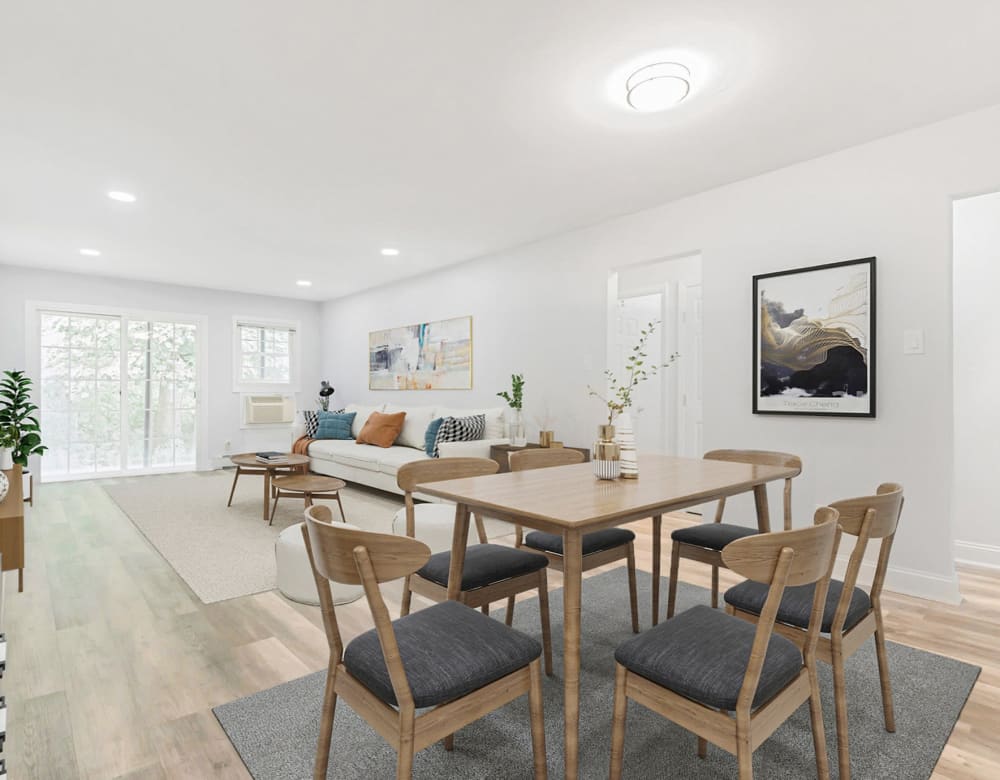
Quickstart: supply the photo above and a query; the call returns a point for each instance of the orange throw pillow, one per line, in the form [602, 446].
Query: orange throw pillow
[381, 429]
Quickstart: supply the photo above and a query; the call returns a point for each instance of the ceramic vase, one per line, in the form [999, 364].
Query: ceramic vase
[606, 454]
[516, 434]
[625, 437]
[6, 459]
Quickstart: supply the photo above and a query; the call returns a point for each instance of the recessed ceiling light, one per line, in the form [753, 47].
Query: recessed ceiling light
[658, 86]
[91, 252]
[122, 197]
[304, 283]
[390, 251]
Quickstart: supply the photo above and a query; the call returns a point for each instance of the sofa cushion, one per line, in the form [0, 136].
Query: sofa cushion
[414, 425]
[347, 453]
[460, 429]
[334, 426]
[381, 429]
[362, 412]
[311, 419]
[496, 427]
[430, 437]
[391, 458]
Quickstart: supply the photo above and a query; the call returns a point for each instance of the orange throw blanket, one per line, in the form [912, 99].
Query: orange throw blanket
[301, 446]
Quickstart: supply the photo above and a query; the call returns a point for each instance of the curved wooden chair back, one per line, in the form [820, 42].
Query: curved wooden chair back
[868, 517]
[781, 559]
[351, 556]
[439, 469]
[543, 458]
[761, 458]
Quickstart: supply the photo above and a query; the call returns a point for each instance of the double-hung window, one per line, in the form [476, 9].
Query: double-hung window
[266, 356]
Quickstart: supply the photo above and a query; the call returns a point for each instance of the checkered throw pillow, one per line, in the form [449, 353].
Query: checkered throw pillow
[460, 429]
[312, 422]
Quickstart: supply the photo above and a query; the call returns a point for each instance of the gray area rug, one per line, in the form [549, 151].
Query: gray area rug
[224, 552]
[275, 730]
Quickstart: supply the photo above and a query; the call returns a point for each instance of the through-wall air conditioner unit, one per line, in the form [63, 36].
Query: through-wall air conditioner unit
[268, 409]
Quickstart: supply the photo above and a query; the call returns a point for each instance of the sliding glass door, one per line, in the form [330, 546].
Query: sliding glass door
[118, 394]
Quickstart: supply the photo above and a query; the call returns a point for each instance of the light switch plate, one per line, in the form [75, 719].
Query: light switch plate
[913, 342]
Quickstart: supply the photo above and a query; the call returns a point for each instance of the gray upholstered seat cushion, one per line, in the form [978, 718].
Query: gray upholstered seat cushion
[484, 565]
[592, 542]
[796, 603]
[448, 650]
[712, 535]
[703, 654]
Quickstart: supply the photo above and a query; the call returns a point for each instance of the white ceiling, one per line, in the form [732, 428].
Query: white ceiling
[270, 142]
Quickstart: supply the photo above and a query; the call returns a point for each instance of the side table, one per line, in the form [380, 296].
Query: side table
[12, 527]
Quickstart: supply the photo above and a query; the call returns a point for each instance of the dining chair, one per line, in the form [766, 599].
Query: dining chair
[850, 615]
[698, 667]
[448, 658]
[705, 542]
[492, 572]
[599, 547]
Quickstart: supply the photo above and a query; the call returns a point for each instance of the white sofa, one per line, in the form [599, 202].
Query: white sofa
[376, 467]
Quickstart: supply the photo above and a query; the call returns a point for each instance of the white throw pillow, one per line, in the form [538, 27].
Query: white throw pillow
[414, 424]
[362, 413]
[496, 426]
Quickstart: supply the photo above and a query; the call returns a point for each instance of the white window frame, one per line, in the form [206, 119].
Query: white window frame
[32, 342]
[291, 387]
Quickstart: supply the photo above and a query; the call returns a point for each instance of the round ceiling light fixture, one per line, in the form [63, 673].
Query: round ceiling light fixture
[121, 196]
[304, 283]
[658, 86]
[390, 252]
[90, 252]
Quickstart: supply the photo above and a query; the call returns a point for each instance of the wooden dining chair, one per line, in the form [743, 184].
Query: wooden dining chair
[448, 657]
[706, 541]
[492, 572]
[850, 614]
[700, 666]
[599, 547]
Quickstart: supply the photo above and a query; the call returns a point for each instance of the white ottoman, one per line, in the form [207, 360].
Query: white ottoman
[295, 576]
[434, 525]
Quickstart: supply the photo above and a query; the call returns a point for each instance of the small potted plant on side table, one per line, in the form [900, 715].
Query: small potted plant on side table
[515, 400]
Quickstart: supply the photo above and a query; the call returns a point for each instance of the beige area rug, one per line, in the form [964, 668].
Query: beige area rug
[221, 552]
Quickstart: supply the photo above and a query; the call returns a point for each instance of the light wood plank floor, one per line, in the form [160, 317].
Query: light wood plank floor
[114, 665]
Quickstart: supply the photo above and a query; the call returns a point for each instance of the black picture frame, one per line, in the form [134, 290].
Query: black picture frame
[785, 385]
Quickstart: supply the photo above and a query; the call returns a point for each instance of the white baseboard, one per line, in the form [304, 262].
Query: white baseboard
[976, 554]
[909, 582]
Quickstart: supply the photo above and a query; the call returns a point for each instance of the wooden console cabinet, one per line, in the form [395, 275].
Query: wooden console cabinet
[12, 527]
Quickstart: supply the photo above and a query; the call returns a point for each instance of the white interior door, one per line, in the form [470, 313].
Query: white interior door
[689, 429]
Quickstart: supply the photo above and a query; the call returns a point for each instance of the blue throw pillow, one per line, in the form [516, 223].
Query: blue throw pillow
[335, 426]
[430, 438]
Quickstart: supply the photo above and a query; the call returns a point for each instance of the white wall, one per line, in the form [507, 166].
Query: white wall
[977, 378]
[222, 419]
[541, 309]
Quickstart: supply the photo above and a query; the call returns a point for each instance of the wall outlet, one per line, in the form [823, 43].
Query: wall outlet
[228, 446]
[913, 342]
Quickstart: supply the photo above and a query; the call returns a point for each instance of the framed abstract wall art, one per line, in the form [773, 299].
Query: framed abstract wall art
[429, 356]
[814, 340]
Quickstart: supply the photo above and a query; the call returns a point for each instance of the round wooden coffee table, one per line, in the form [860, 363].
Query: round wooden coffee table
[247, 463]
[308, 487]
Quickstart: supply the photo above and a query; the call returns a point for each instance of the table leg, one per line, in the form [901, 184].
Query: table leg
[657, 533]
[572, 582]
[459, 539]
[232, 492]
[763, 516]
[267, 492]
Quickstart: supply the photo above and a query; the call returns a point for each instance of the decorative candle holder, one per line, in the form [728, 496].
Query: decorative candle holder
[545, 438]
[606, 454]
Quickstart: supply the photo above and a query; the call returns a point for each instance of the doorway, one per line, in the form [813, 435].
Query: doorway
[667, 408]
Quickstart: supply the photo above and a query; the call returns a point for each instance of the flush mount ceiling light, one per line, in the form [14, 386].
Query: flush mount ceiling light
[90, 252]
[658, 86]
[304, 283]
[122, 197]
[390, 252]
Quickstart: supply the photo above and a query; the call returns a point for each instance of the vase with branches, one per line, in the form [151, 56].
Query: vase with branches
[515, 400]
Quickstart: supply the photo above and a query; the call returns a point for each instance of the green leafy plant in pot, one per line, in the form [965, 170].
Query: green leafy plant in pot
[515, 400]
[19, 429]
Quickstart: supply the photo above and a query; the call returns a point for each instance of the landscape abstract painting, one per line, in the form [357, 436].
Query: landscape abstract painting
[428, 356]
[814, 340]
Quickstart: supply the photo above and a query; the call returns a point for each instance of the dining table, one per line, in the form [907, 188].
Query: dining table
[571, 501]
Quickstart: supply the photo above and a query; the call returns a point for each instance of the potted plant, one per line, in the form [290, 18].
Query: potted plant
[515, 400]
[17, 418]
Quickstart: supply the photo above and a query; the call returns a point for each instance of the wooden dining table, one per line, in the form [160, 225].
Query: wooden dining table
[570, 501]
